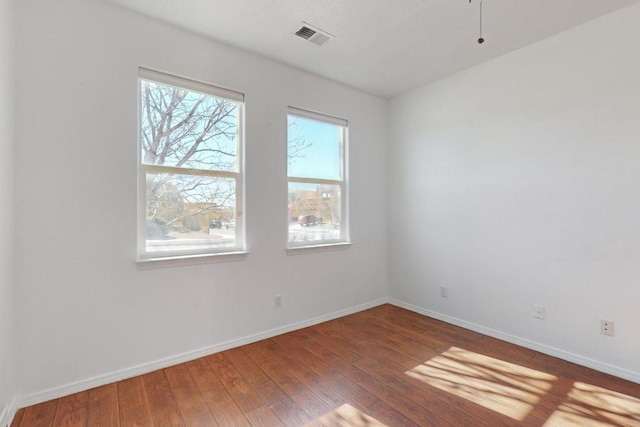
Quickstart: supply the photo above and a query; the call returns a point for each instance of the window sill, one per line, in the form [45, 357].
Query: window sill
[180, 260]
[299, 250]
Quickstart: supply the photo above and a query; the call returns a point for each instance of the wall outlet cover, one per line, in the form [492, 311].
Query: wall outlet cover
[606, 327]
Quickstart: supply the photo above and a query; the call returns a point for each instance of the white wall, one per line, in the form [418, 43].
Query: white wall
[6, 208]
[517, 183]
[86, 309]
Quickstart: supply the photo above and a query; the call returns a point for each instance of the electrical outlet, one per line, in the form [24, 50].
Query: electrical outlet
[277, 301]
[538, 311]
[444, 292]
[606, 327]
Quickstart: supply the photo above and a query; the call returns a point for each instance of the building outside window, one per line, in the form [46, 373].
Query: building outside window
[316, 155]
[190, 167]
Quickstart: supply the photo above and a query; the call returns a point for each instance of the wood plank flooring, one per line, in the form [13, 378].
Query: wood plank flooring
[384, 366]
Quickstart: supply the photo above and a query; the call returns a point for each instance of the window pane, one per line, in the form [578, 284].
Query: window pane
[314, 149]
[187, 212]
[187, 129]
[314, 212]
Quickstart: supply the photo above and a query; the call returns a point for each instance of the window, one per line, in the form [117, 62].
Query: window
[190, 167]
[316, 153]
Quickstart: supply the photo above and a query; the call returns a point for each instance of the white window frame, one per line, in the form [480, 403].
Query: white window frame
[206, 89]
[344, 238]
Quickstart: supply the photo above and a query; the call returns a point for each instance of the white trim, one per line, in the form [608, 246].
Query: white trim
[8, 413]
[179, 260]
[319, 181]
[318, 117]
[346, 187]
[174, 170]
[342, 183]
[523, 342]
[297, 250]
[237, 176]
[191, 84]
[6, 416]
[82, 385]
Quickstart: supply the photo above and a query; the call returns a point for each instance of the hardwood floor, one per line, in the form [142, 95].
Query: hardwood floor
[384, 366]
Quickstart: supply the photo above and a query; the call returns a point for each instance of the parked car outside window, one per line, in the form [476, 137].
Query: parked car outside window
[307, 220]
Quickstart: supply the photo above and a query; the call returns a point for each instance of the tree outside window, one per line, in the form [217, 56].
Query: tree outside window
[190, 167]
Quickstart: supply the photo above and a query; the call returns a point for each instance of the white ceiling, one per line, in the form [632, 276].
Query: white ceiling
[384, 47]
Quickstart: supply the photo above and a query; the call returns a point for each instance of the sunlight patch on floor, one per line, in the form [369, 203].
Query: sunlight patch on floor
[588, 405]
[509, 389]
[346, 415]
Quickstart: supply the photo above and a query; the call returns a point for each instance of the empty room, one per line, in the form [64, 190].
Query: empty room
[330, 213]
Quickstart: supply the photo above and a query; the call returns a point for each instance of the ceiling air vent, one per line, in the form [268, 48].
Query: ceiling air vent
[313, 34]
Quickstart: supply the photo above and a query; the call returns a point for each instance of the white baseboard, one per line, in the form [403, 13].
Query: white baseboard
[7, 414]
[89, 383]
[523, 342]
